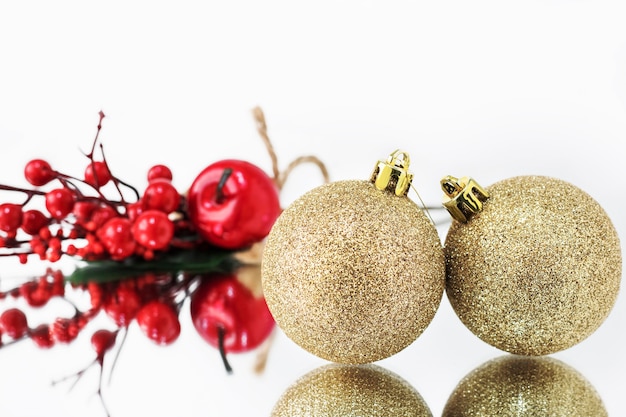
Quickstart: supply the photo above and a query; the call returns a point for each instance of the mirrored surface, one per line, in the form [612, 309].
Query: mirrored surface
[485, 89]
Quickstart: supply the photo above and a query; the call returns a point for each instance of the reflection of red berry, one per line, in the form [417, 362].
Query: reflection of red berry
[102, 341]
[13, 323]
[159, 322]
[233, 204]
[35, 294]
[64, 330]
[122, 305]
[40, 335]
[223, 304]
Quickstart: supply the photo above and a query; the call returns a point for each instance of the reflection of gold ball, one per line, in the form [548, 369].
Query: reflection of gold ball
[537, 270]
[353, 274]
[351, 390]
[516, 386]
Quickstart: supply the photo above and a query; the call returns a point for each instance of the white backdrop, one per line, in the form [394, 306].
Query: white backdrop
[490, 89]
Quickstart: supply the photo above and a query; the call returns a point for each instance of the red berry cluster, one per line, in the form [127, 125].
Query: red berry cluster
[107, 229]
[142, 256]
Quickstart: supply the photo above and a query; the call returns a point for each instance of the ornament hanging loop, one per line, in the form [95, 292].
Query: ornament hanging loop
[393, 174]
[463, 198]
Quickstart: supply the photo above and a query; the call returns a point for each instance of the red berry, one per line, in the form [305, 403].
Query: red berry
[233, 204]
[102, 341]
[60, 202]
[221, 301]
[159, 322]
[116, 236]
[13, 323]
[122, 306]
[153, 229]
[101, 215]
[82, 210]
[97, 174]
[41, 336]
[159, 172]
[133, 210]
[161, 195]
[33, 221]
[38, 172]
[10, 217]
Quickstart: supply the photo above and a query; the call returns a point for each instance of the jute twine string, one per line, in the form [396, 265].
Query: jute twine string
[281, 177]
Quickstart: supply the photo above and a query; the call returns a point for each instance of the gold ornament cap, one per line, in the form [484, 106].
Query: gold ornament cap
[464, 197]
[393, 174]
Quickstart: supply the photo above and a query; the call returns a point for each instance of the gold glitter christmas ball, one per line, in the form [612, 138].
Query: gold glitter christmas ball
[517, 386]
[351, 390]
[353, 273]
[533, 263]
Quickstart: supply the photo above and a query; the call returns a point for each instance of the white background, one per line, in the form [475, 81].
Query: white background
[490, 89]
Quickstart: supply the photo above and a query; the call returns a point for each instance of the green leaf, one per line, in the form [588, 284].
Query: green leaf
[189, 261]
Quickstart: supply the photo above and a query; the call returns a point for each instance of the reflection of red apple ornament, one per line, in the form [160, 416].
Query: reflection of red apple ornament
[228, 315]
[233, 204]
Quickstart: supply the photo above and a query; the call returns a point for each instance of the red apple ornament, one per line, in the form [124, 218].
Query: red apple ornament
[233, 204]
